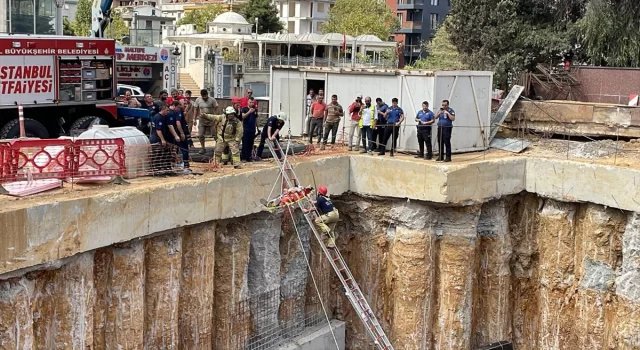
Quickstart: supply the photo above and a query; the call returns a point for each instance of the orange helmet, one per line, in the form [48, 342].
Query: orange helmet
[322, 190]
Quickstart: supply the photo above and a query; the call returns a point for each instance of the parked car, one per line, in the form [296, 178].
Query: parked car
[135, 91]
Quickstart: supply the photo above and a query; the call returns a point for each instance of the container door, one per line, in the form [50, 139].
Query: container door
[292, 99]
[469, 96]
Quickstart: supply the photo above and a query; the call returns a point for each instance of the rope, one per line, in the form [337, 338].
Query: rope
[315, 285]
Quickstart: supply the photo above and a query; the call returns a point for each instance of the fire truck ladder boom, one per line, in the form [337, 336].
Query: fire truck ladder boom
[100, 17]
[352, 290]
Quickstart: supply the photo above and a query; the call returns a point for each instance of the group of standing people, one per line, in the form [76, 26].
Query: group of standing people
[236, 129]
[375, 124]
[170, 131]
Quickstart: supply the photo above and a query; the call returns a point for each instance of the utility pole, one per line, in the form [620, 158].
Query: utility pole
[257, 27]
[59, 17]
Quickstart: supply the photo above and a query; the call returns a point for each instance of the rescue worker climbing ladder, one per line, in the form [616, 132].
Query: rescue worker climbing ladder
[352, 290]
[329, 218]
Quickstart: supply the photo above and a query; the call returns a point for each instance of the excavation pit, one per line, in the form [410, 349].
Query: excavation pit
[537, 250]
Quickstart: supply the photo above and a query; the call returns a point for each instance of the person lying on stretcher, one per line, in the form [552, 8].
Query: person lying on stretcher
[288, 197]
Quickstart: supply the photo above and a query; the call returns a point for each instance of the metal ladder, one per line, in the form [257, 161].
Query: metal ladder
[352, 290]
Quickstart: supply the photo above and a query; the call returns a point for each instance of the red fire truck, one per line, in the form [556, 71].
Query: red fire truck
[62, 83]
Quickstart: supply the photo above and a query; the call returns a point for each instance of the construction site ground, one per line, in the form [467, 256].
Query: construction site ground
[624, 154]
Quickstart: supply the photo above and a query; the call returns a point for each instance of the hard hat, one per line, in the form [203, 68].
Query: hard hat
[322, 190]
[235, 99]
[282, 116]
[230, 110]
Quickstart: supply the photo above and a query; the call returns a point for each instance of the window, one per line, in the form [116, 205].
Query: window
[292, 9]
[400, 17]
[320, 8]
[198, 52]
[227, 71]
[291, 27]
[259, 89]
[434, 2]
[122, 91]
[433, 20]
[148, 25]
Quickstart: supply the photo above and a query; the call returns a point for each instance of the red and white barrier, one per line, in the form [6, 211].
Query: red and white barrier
[26, 159]
[633, 100]
[21, 121]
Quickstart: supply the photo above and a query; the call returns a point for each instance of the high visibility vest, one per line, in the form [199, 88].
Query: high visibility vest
[373, 116]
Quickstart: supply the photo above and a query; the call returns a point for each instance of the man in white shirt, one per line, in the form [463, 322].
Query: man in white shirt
[311, 98]
[367, 123]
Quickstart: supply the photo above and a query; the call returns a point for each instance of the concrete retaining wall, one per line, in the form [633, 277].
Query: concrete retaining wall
[35, 234]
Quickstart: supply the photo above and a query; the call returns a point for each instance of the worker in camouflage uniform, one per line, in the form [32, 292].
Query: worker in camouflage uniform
[229, 130]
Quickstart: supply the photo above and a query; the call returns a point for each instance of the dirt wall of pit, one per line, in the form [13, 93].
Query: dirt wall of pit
[466, 257]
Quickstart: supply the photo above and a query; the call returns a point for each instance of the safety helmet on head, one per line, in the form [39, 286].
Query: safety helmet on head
[282, 116]
[322, 190]
[230, 110]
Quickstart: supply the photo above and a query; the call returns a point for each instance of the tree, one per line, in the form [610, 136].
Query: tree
[67, 27]
[610, 33]
[200, 17]
[512, 36]
[118, 26]
[443, 55]
[267, 14]
[82, 23]
[357, 17]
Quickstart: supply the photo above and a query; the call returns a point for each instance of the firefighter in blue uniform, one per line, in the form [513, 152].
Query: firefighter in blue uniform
[271, 131]
[159, 147]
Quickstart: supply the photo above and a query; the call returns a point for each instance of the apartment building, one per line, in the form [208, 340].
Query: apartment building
[419, 21]
[303, 16]
[145, 24]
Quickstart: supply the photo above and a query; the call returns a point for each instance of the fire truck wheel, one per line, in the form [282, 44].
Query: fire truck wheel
[85, 122]
[32, 128]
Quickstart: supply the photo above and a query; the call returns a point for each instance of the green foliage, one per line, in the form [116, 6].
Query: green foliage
[610, 33]
[67, 27]
[233, 55]
[390, 56]
[357, 17]
[511, 36]
[443, 55]
[363, 58]
[118, 26]
[82, 23]
[267, 14]
[200, 17]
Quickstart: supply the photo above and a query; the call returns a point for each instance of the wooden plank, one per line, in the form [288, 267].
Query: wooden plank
[504, 109]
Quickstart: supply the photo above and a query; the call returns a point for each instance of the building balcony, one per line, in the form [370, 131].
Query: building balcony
[410, 4]
[412, 50]
[145, 37]
[409, 27]
[254, 64]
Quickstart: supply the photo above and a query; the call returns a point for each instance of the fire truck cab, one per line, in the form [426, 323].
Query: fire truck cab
[62, 83]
